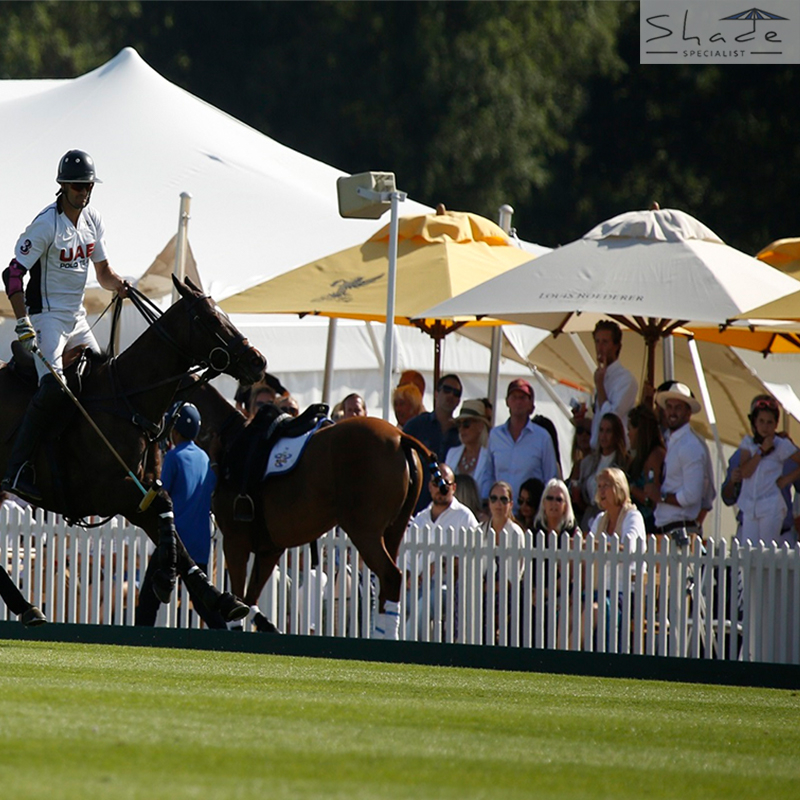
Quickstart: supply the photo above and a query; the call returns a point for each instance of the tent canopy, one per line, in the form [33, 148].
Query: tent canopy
[258, 209]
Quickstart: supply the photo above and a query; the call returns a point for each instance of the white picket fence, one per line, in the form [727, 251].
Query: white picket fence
[575, 594]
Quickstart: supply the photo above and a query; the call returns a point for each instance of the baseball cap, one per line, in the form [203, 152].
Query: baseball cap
[520, 385]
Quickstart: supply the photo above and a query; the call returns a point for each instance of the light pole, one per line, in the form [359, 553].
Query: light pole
[369, 195]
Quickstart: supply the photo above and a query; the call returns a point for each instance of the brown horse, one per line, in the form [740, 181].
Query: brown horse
[362, 474]
[127, 397]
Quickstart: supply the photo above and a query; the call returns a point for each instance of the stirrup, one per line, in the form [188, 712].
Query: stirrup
[23, 483]
[243, 508]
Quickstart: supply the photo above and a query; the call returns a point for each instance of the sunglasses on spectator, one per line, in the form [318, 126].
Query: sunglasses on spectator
[451, 390]
[525, 501]
[494, 498]
[435, 484]
[466, 423]
[554, 498]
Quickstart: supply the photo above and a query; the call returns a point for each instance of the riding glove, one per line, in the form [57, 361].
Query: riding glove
[26, 334]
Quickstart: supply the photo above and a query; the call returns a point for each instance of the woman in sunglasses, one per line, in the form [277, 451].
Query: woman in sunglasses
[555, 510]
[506, 532]
[471, 457]
[555, 515]
[501, 509]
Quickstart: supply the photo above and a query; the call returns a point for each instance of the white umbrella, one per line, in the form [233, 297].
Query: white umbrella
[652, 271]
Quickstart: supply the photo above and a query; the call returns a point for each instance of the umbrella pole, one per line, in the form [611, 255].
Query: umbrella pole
[494, 365]
[504, 215]
[712, 419]
[669, 358]
[330, 351]
[437, 362]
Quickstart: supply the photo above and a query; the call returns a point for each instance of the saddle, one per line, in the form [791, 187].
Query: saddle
[245, 462]
[77, 365]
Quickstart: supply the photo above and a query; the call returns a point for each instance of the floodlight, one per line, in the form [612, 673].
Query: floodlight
[366, 195]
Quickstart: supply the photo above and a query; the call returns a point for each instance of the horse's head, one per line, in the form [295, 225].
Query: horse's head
[212, 340]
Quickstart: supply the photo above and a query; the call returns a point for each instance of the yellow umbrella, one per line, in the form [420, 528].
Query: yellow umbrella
[438, 256]
[771, 328]
[785, 255]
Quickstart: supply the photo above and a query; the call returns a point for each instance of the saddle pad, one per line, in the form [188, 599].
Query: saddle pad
[286, 452]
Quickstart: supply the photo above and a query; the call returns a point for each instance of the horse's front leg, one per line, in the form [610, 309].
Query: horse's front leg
[172, 559]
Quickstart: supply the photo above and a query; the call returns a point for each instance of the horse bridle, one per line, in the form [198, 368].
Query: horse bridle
[219, 357]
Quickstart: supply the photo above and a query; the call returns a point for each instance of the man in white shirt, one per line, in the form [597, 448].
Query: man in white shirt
[709, 485]
[615, 386]
[55, 253]
[443, 511]
[678, 495]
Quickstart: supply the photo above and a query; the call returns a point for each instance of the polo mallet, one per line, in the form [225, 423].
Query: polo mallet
[148, 494]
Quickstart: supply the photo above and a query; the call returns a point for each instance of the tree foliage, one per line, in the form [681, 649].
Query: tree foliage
[540, 104]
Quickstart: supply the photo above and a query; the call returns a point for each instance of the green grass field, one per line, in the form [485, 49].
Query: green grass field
[97, 722]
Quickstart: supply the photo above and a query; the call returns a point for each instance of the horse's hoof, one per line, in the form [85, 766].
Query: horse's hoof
[32, 617]
[232, 608]
[163, 586]
[263, 625]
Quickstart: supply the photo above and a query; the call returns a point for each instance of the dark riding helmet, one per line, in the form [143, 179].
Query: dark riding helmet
[76, 166]
[763, 402]
[185, 419]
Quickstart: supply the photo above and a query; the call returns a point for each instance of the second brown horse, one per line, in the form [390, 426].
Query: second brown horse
[362, 474]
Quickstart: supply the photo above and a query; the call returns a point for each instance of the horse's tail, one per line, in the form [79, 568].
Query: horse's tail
[427, 456]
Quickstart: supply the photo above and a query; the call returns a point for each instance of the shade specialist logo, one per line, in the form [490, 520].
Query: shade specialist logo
[719, 32]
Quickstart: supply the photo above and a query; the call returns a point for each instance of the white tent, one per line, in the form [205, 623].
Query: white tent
[258, 209]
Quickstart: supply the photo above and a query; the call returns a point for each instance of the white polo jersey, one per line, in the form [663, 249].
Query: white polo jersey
[56, 255]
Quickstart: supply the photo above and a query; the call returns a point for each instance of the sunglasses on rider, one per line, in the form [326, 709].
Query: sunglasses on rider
[451, 390]
[494, 498]
[79, 187]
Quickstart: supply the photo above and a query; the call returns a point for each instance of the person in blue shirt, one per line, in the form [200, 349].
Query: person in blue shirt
[437, 429]
[519, 448]
[189, 480]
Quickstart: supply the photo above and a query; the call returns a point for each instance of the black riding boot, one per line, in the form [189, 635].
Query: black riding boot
[43, 414]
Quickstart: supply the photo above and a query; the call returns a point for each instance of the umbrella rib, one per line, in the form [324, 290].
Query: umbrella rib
[678, 323]
[560, 327]
[632, 324]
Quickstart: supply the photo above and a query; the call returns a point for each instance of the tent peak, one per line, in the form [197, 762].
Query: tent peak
[128, 59]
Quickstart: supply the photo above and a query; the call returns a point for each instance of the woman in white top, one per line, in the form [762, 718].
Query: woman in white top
[618, 516]
[506, 533]
[471, 457]
[761, 458]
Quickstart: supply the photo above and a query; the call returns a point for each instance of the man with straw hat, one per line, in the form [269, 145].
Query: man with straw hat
[678, 495]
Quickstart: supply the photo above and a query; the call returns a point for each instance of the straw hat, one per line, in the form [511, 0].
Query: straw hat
[678, 391]
[473, 409]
